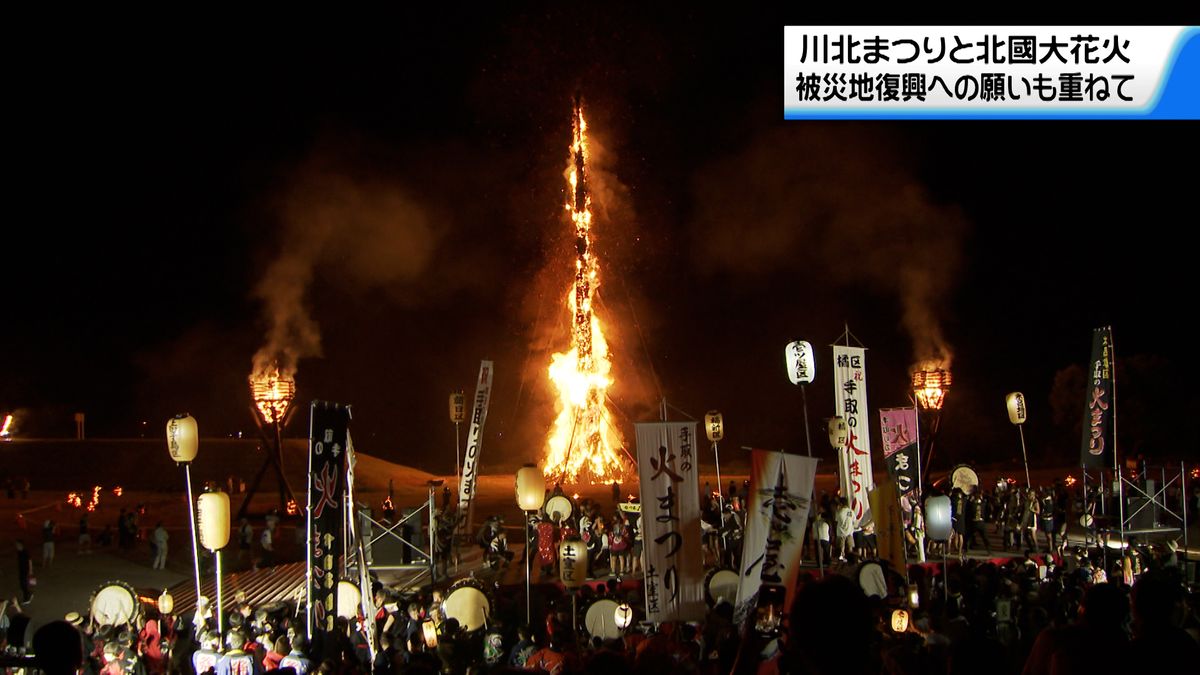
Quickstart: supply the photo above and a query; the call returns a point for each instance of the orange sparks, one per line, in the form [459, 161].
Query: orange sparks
[584, 443]
[272, 392]
[118, 491]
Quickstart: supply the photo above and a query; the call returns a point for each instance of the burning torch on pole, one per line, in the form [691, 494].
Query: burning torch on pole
[930, 383]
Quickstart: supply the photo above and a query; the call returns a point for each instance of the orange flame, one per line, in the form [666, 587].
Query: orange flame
[583, 443]
[272, 392]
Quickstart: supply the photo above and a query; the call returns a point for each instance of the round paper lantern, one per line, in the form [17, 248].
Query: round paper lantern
[623, 616]
[572, 562]
[899, 621]
[801, 364]
[937, 518]
[458, 407]
[348, 599]
[166, 603]
[714, 425]
[182, 438]
[531, 488]
[213, 513]
[1016, 407]
[839, 433]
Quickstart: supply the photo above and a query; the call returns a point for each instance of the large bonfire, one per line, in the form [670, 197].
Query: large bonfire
[584, 444]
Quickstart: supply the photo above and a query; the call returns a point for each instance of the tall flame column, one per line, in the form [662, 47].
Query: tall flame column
[583, 443]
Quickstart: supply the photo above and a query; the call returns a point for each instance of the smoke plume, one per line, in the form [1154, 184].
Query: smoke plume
[841, 200]
[356, 234]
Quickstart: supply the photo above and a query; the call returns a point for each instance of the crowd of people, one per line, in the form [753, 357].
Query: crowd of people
[1047, 607]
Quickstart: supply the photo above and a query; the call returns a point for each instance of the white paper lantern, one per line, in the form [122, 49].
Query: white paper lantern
[714, 425]
[212, 509]
[839, 433]
[1016, 407]
[801, 364]
[348, 599]
[937, 518]
[182, 438]
[531, 488]
[166, 603]
[623, 616]
[899, 621]
[572, 562]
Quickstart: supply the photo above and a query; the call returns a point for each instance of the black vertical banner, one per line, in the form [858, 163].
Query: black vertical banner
[1098, 403]
[326, 491]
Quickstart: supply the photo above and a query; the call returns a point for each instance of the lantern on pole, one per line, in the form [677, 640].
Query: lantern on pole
[531, 493]
[937, 518]
[166, 603]
[714, 426]
[1017, 415]
[802, 368]
[572, 562]
[458, 414]
[801, 364]
[899, 621]
[531, 487]
[214, 536]
[839, 433]
[183, 441]
[623, 616]
[182, 438]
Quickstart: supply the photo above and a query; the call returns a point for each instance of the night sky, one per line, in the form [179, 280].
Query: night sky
[416, 168]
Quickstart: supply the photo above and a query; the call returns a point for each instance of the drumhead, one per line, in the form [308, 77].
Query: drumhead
[721, 584]
[469, 605]
[600, 619]
[964, 478]
[115, 603]
[558, 508]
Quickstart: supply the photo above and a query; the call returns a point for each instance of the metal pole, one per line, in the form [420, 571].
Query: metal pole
[308, 547]
[807, 440]
[1024, 456]
[220, 603]
[1184, 494]
[919, 502]
[432, 538]
[187, 472]
[528, 560]
[720, 507]
[457, 458]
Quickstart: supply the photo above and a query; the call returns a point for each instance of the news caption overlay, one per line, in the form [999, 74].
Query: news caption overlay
[991, 72]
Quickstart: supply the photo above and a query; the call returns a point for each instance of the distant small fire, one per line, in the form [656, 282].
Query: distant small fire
[292, 508]
[272, 392]
[1070, 481]
[75, 499]
[930, 382]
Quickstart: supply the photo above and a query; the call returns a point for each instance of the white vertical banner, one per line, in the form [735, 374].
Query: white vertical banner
[850, 401]
[483, 390]
[668, 469]
[781, 489]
